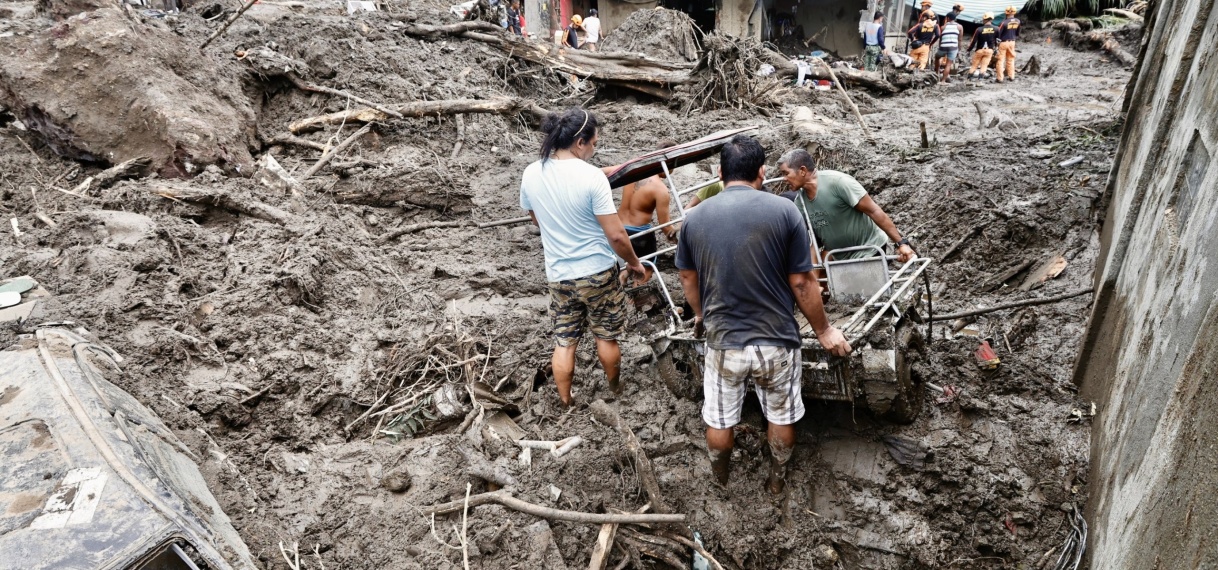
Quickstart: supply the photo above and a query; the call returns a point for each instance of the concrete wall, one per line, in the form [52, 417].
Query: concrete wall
[739, 18]
[1150, 356]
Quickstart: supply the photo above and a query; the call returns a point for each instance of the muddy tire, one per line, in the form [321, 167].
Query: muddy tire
[680, 367]
[909, 397]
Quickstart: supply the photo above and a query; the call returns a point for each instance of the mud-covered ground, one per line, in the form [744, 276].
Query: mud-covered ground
[272, 349]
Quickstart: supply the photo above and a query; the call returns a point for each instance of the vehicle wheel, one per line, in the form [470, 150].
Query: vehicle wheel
[680, 368]
[907, 403]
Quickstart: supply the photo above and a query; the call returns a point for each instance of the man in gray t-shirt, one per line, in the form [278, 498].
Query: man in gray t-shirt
[745, 263]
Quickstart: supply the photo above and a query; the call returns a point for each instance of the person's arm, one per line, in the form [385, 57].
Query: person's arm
[689, 284]
[909, 34]
[879, 34]
[973, 41]
[663, 216]
[938, 34]
[620, 242]
[693, 202]
[534, 216]
[807, 297]
[868, 206]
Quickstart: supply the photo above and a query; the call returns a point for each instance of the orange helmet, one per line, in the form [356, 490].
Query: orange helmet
[577, 20]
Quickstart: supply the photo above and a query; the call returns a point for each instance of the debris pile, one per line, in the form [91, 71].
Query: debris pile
[660, 33]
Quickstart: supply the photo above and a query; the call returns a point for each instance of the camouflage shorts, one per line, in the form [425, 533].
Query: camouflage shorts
[598, 299]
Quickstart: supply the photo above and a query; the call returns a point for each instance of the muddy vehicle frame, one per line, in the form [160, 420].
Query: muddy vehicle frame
[875, 301]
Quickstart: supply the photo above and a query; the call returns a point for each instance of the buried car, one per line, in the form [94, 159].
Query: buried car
[91, 478]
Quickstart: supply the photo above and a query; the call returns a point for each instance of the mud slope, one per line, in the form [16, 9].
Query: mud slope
[273, 347]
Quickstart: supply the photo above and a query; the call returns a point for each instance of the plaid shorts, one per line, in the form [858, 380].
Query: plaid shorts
[774, 372]
[598, 299]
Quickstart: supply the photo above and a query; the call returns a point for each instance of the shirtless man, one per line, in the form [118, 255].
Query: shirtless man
[640, 201]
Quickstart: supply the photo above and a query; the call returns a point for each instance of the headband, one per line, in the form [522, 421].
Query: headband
[581, 127]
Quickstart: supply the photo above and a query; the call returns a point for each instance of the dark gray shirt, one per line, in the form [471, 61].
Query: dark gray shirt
[744, 244]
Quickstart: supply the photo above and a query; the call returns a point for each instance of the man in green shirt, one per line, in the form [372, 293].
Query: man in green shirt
[839, 210]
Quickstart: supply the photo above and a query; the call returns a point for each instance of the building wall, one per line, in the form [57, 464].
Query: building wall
[835, 23]
[1150, 355]
[741, 18]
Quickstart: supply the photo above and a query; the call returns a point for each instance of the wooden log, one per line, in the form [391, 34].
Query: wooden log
[1114, 49]
[351, 116]
[505, 498]
[434, 32]
[853, 107]
[1125, 14]
[122, 171]
[990, 117]
[227, 201]
[871, 80]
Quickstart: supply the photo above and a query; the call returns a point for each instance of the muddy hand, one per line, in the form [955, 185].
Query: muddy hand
[905, 253]
[834, 341]
[637, 272]
[699, 328]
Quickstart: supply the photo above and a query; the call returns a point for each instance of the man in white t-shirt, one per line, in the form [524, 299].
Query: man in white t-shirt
[583, 237]
[592, 27]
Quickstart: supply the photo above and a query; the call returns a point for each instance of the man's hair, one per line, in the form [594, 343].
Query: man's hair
[877, 15]
[796, 158]
[592, 13]
[950, 17]
[741, 159]
[565, 129]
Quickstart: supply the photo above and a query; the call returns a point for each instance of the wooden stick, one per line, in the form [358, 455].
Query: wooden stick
[1013, 305]
[45, 219]
[460, 120]
[300, 84]
[334, 151]
[853, 107]
[503, 497]
[925, 142]
[604, 545]
[230, 21]
[507, 222]
[227, 201]
[419, 227]
[653, 547]
[647, 476]
[698, 548]
[976, 229]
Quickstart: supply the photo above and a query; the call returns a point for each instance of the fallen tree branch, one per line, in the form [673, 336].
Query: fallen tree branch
[1013, 305]
[230, 21]
[642, 465]
[505, 498]
[697, 547]
[853, 107]
[334, 152]
[955, 246]
[300, 84]
[496, 105]
[227, 201]
[419, 227]
[433, 32]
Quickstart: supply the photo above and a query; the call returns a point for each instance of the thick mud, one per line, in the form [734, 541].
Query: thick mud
[272, 349]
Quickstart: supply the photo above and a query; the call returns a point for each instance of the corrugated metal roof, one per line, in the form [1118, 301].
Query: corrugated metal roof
[973, 9]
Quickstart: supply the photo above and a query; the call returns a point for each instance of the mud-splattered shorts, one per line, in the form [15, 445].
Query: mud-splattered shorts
[597, 299]
[774, 372]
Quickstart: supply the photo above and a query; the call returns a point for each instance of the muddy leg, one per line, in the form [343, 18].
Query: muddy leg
[564, 371]
[782, 443]
[719, 444]
[611, 360]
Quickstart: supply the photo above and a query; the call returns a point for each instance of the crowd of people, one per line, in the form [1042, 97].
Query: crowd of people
[745, 260]
[929, 32]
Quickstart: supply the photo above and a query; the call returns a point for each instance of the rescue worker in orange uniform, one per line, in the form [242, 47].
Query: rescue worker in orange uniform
[1007, 32]
[926, 7]
[921, 37]
[985, 39]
